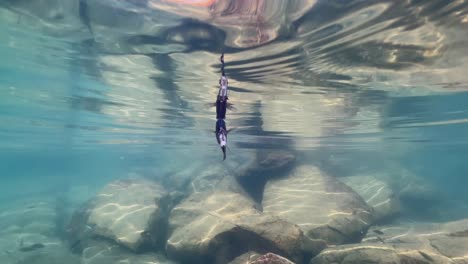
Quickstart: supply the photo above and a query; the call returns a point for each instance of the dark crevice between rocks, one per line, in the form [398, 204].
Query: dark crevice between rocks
[154, 239]
[80, 235]
[240, 241]
[78, 232]
[310, 248]
[227, 246]
[66, 224]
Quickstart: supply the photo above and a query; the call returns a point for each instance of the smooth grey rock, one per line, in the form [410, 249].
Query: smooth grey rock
[418, 198]
[211, 179]
[130, 212]
[378, 254]
[448, 240]
[321, 206]
[201, 175]
[453, 242]
[101, 252]
[451, 246]
[377, 194]
[219, 225]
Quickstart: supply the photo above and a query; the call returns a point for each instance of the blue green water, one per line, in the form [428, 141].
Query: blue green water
[93, 91]
[69, 115]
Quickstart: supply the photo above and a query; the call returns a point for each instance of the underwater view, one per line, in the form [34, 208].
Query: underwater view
[233, 131]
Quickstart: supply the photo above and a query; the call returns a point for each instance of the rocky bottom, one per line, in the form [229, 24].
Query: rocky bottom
[302, 216]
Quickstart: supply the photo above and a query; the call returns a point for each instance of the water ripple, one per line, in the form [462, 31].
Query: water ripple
[307, 69]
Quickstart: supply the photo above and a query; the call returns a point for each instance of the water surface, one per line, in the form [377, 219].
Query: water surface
[96, 90]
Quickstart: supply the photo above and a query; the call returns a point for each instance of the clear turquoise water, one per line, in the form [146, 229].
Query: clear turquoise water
[101, 90]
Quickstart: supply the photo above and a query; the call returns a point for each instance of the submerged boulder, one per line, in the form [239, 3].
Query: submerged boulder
[445, 241]
[133, 213]
[454, 242]
[321, 206]
[418, 198]
[376, 193]
[219, 225]
[378, 254]
[102, 252]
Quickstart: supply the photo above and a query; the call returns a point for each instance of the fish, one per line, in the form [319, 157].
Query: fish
[75, 244]
[459, 234]
[31, 247]
[378, 231]
[426, 256]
